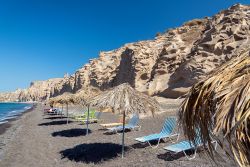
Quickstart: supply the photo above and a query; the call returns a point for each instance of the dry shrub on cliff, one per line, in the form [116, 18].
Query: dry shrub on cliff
[221, 104]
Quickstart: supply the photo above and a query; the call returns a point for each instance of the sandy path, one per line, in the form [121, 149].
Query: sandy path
[46, 141]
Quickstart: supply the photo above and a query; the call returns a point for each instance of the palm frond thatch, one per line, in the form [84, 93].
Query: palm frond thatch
[66, 98]
[124, 98]
[221, 104]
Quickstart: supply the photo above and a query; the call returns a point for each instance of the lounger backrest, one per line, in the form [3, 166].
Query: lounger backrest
[97, 115]
[57, 110]
[134, 120]
[198, 140]
[91, 114]
[169, 125]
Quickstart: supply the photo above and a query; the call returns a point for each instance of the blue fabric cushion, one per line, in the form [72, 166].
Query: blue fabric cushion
[181, 146]
[151, 137]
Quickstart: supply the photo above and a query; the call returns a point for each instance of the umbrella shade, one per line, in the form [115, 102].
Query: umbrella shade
[221, 103]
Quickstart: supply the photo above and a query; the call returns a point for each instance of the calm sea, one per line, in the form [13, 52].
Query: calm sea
[12, 110]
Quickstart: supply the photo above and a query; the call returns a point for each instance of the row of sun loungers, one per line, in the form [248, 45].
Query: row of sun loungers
[93, 115]
[167, 132]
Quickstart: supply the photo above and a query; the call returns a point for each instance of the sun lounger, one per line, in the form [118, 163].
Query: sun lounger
[108, 125]
[166, 132]
[186, 145]
[52, 111]
[81, 117]
[93, 119]
[46, 110]
[132, 125]
[58, 111]
[76, 114]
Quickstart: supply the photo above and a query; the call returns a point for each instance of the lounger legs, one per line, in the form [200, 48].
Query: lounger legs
[178, 135]
[164, 140]
[155, 145]
[215, 145]
[190, 157]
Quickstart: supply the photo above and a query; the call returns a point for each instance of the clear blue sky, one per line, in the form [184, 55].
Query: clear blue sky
[41, 39]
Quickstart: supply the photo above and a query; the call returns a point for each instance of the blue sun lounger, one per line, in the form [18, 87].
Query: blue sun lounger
[186, 145]
[132, 125]
[166, 132]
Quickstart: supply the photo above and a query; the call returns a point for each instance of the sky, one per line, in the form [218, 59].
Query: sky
[42, 39]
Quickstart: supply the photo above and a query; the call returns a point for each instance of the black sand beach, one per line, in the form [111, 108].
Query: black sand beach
[47, 141]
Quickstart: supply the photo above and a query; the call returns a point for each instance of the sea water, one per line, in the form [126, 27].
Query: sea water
[12, 110]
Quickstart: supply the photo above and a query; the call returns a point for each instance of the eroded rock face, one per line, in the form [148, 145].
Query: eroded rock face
[226, 35]
[39, 90]
[146, 65]
[166, 66]
[10, 96]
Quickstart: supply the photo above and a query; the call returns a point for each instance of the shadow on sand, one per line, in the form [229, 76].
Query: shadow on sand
[144, 145]
[114, 132]
[52, 118]
[93, 152]
[61, 122]
[168, 156]
[71, 133]
[139, 145]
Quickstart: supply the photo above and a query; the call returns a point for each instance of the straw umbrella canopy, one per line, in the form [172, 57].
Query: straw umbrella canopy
[125, 100]
[66, 98]
[221, 104]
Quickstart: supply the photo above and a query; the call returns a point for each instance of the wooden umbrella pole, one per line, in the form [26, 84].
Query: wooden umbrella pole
[67, 113]
[123, 134]
[88, 121]
[62, 111]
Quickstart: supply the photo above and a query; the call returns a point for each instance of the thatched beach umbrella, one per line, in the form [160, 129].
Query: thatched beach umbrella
[125, 100]
[221, 104]
[81, 96]
[66, 98]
